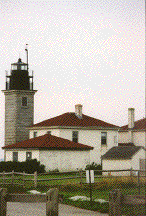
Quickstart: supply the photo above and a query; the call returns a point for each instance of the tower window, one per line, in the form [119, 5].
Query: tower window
[103, 138]
[15, 156]
[28, 155]
[24, 101]
[75, 136]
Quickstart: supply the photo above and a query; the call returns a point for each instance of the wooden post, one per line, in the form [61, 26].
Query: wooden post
[138, 175]
[3, 203]
[115, 202]
[12, 177]
[23, 179]
[3, 177]
[90, 187]
[35, 179]
[80, 173]
[52, 202]
[131, 174]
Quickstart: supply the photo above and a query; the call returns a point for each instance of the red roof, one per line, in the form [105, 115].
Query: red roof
[50, 142]
[70, 119]
[138, 125]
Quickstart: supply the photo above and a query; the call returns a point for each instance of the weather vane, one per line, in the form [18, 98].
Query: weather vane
[26, 49]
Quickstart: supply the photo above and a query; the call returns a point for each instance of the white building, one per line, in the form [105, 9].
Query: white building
[73, 127]
[123, 158]
[130, 152]
[134, 132]
[54, 152]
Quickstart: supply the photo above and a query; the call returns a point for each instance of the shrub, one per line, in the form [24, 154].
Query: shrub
[29, 166]
[94, 167]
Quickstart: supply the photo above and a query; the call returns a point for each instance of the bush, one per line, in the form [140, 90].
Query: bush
[29, 166]
[94, 167]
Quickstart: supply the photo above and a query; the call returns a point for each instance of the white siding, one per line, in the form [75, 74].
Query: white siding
[116, 165]
[54, 132]
[124, 164]
[87, 137]
[92, 138]
[136, 158]
[64, 160]
[21, 154]
[123, 137]
[138, 137]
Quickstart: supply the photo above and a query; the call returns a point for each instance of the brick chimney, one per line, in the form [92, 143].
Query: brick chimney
[130, 118]
[131, 123]
[78, 110]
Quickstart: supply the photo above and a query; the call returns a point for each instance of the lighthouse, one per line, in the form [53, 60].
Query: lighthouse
[19, 102]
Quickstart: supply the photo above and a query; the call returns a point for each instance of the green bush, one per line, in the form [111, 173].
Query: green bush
[29, 166]
[94, 167]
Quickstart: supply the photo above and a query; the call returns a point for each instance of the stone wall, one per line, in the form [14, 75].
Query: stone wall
[18, 117]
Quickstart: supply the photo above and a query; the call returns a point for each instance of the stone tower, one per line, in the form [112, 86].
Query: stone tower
[19, 103]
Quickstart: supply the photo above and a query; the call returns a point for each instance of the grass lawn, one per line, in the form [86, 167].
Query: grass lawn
[72, 187]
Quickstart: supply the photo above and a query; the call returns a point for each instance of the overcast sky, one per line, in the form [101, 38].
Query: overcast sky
[88, 52]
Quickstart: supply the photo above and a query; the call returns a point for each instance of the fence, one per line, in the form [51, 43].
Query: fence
[117, 200]
[13, 178]
[51, 199]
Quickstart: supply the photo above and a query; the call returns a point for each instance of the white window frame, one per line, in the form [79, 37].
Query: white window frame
[16, 156]
[27, 155]
[35, 134]
[75, 136]
[103, 138]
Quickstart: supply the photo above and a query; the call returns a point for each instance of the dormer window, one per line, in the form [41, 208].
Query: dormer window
[24, 101]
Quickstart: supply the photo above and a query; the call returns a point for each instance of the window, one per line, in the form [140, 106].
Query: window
[28, 155]
[75, 136]
[15, 156]
[103, 138]
[24, 101]
[48, 132]
[23, 67]
[14, 67]
[34, 134]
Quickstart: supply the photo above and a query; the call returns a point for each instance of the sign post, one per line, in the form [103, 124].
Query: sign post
[90, 180]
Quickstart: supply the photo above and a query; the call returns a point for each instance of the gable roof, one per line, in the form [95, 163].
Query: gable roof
[50, 142]
[121, 152]
[138, 125]
[71, 119]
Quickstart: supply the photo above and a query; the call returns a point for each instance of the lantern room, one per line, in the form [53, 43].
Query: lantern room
[19, 78]
[19, 65]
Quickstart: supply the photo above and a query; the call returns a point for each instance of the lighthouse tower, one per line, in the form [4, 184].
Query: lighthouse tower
[19, 102]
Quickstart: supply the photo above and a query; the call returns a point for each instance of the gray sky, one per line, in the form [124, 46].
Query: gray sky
[88, 52]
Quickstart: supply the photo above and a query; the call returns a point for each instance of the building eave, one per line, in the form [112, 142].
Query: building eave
[72, 127]
[6, 92]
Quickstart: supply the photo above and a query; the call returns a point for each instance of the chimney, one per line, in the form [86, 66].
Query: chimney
[78, 110]
[130, 118]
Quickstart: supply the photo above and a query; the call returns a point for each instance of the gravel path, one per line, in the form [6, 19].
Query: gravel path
[39, 209]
